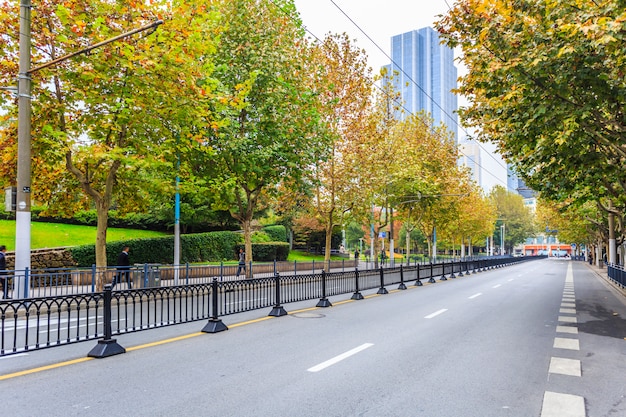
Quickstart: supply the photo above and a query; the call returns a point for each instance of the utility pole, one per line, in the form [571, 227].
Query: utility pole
[23, 201]
[22, 207]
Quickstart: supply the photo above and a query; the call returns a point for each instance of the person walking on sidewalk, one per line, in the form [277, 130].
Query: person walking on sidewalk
[4, 280]
[123, 268]
[242, 263]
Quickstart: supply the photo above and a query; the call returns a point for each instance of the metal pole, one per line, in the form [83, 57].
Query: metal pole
[392, 262]
[177, 229]
[22, 210]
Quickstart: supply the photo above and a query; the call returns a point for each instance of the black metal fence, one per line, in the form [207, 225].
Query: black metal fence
[617, 274]
[41, 322]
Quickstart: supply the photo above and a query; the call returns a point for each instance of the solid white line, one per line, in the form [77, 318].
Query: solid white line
[569, 277]
[14, 356]
[436, 313]
[562, 405]
[339, 358]
[475, 295]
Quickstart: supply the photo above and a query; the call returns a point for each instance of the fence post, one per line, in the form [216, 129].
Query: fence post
[432, 278]
[107, 346]
[357, 294]
[323, 302]
[401, 286]
[278, 310]
[452, 264]
[214, 325]
[382, 289]
[93, 278]
[418, 283]
[443, 271]
[221, 270]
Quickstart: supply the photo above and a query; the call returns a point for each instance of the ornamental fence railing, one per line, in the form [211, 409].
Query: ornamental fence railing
[54, 320]
[617, 274]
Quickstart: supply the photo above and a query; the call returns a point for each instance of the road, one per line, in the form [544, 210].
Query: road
[543, 338]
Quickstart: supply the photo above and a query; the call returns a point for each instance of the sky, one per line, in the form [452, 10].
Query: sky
[378, 21]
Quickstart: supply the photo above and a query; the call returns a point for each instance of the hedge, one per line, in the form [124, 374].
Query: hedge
[198, 247]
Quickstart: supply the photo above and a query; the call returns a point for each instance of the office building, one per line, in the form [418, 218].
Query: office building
[423, 72]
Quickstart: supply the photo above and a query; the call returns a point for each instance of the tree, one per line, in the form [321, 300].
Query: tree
[516, 218]
[546, 84]
[344, 91]
[269, 133]
[109, 115]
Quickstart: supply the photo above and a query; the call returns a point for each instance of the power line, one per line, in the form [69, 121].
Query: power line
[393, 98]
[411, 79]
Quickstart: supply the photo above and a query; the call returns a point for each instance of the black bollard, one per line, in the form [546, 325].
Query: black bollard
[214, 325]
[323, 302]
[418, 283]
[401, 286]
[382, 289]
[107, 346]
[432, 273]
[278, 310]
[357, 294]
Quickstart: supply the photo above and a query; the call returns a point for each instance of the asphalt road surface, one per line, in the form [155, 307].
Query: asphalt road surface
[543, 338]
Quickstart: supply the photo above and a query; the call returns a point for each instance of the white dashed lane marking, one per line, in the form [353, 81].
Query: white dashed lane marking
[436, 313]
[567, 329]
[562, 405]
[339, 358]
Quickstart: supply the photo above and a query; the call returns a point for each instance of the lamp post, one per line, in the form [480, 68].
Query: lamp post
[23, 200]
[502, 239]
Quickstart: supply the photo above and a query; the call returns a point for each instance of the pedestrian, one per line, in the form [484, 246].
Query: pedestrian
[242, 262]
[356, 255]
[383, 256]
[590, 259]
[123, 268]
[3, 271]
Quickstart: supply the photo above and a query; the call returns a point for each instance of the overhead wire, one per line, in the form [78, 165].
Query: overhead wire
[413, 81]
[395, 100]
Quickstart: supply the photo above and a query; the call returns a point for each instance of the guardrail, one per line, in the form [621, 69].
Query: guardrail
[617, 274]
[43, 322]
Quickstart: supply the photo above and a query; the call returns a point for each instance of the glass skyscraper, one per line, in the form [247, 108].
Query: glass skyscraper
[423, 72]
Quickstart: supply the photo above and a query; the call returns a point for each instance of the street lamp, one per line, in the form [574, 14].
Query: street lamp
[502, 239]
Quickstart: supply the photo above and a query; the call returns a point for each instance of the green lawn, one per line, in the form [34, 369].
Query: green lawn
[53, 235]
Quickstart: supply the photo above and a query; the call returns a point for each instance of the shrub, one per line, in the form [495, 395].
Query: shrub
[268, 251]
[201, 247]
[277, 233]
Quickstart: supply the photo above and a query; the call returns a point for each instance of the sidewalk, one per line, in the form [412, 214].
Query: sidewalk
[603, 273]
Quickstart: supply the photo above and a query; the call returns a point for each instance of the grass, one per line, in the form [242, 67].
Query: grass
[54, 235]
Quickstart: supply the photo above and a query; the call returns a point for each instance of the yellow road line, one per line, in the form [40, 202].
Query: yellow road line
[158, 343]
[44, 368]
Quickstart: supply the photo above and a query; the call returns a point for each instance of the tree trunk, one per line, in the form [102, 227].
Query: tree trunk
[328, 241]
[246, 224]
[102, 210]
